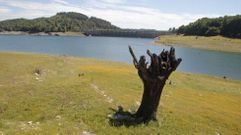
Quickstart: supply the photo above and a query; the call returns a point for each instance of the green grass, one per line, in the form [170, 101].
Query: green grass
[216, 43]
[61, 102]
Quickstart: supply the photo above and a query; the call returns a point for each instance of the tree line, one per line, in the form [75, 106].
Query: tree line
[228, 26]
[61, 22]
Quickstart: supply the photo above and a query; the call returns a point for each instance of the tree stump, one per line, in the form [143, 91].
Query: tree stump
[154, 77]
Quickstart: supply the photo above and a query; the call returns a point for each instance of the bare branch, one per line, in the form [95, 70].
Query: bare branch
[177, 64]
[149, 53]
[135, 62]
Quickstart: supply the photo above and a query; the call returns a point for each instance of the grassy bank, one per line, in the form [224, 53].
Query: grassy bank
[216, 43]
[73, 96]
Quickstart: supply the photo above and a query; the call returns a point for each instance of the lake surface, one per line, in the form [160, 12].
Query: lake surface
[116, 49]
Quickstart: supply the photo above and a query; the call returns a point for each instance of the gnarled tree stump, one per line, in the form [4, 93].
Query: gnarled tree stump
[153, 77]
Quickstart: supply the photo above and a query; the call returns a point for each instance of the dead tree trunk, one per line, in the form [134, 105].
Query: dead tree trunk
[153, 77]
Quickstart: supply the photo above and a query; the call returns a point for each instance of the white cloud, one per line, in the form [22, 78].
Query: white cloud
[4, 10]
[141, 17]
[115, 11]
[113, 1]
[31, 9]
[56, 5]
[61, 2]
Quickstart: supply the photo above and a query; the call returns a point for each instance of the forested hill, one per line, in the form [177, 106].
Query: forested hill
[61, 22]
[228, 26]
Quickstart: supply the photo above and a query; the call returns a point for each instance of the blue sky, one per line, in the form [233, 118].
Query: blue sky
[150, 14]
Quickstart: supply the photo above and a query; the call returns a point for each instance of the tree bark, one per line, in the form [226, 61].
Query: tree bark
[154, 77]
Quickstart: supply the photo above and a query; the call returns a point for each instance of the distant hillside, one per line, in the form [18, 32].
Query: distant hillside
[228, 26]
[61, 22]
[73, 22]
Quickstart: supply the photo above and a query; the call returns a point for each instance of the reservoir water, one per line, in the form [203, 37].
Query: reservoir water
[116, 49]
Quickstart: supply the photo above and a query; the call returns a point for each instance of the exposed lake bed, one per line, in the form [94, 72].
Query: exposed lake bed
[43, 94]
[215, 43]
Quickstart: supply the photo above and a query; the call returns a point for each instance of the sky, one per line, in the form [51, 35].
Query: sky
[147, 14]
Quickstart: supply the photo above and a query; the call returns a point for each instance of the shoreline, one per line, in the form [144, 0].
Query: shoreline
[216, 43]
[42, 33]
[227, 78]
